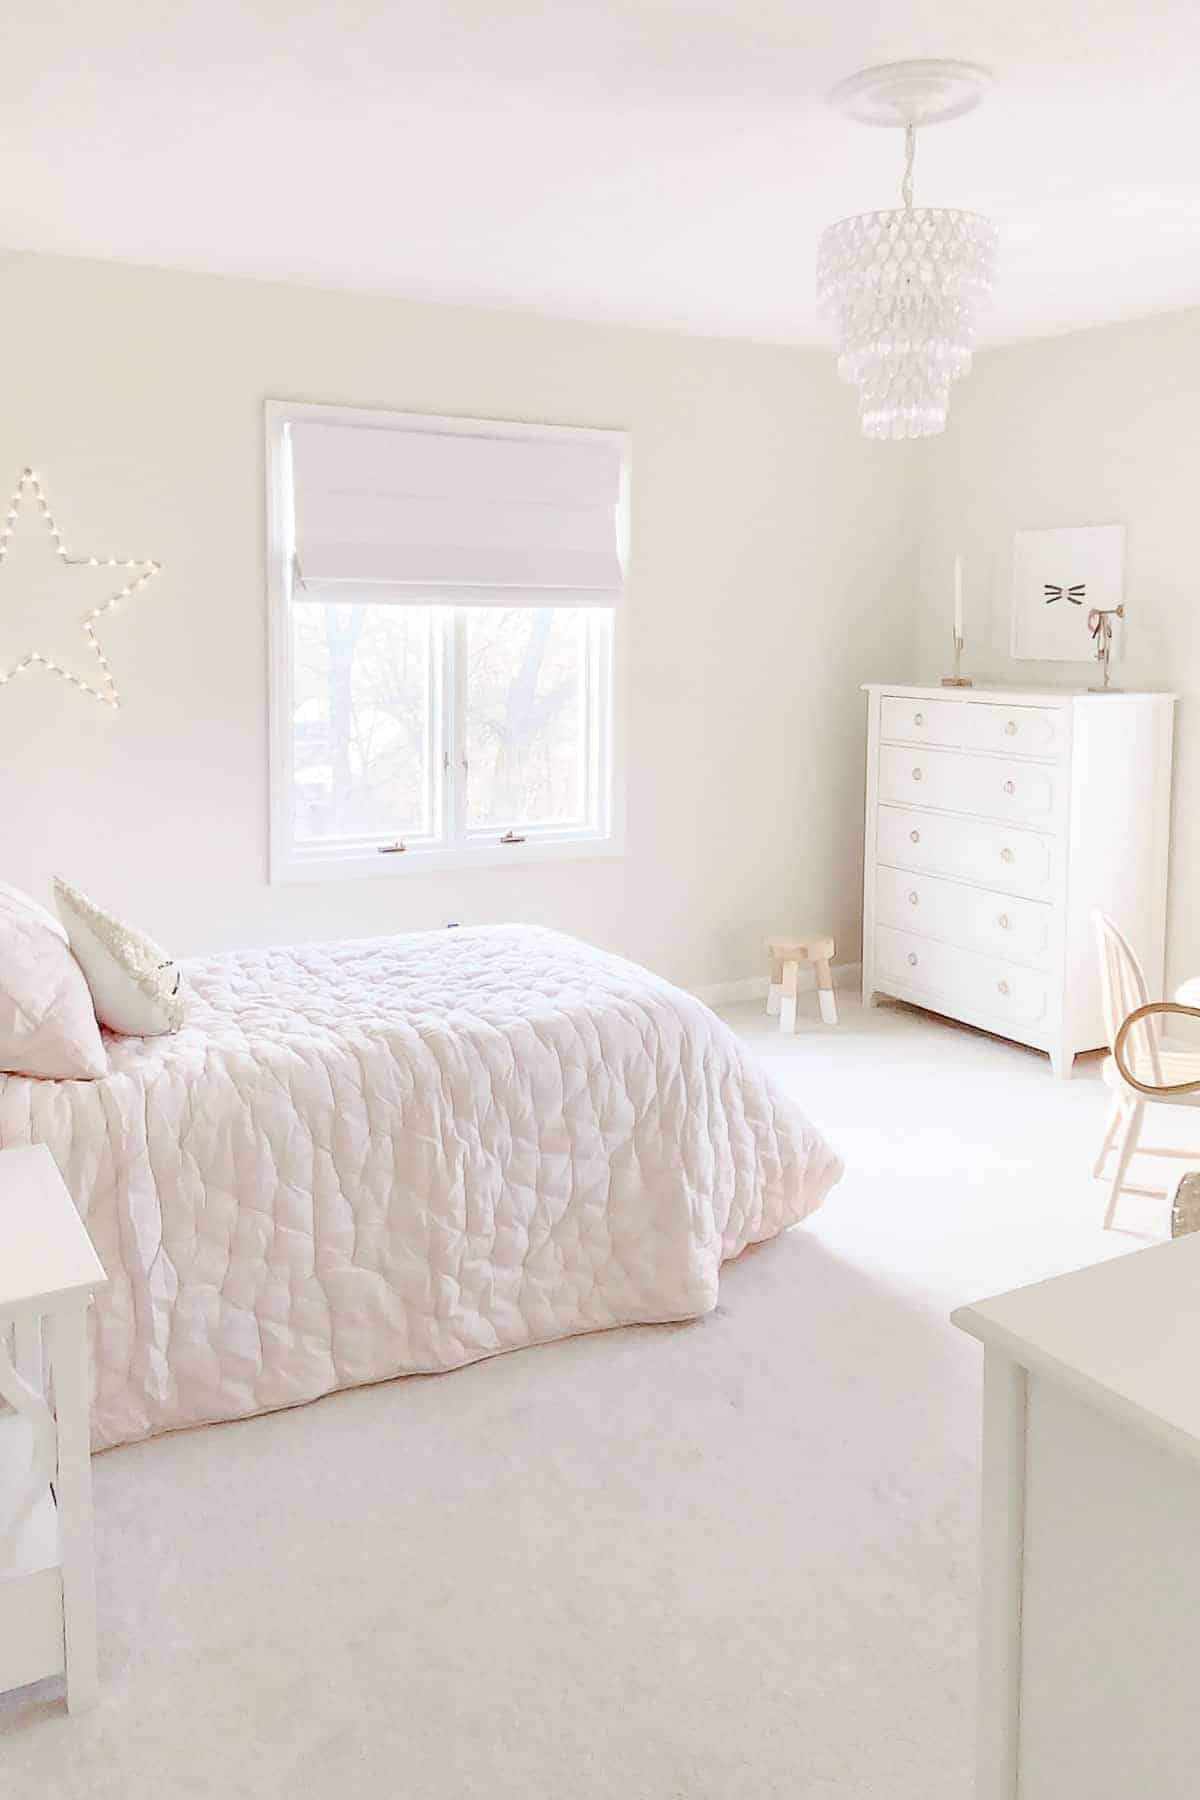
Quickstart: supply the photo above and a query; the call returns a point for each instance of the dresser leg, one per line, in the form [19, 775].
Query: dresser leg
[73, 1499]
[1062, 1062]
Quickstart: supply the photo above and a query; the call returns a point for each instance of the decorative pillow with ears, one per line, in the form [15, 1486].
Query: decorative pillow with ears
[136, 987]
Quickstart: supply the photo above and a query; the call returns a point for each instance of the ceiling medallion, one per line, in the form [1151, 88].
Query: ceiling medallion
[905, 287]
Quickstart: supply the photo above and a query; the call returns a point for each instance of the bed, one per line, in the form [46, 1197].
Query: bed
[398, 1155]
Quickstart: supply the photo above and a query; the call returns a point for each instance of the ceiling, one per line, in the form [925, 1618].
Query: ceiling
[665, 162]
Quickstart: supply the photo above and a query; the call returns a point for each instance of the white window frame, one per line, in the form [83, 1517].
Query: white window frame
[480, 847]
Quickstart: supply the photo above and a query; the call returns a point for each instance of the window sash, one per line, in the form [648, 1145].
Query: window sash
[360, 843]
[452, 834]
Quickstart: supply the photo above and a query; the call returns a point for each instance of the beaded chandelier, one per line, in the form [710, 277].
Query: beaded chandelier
[905, 287]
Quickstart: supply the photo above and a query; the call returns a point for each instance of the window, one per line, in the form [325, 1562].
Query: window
[442, 661]
[381, 756]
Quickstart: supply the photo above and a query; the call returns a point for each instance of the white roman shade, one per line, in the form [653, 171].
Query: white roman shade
[415, 509]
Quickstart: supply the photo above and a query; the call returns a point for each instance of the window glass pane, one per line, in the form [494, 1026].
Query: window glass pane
[362, 720]
[526, 724]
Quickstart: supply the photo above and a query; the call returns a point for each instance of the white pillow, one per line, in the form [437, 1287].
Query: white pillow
[136, 987]
[47, 1022]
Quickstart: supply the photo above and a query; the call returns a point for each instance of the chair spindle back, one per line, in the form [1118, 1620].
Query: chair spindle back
[1123, 988]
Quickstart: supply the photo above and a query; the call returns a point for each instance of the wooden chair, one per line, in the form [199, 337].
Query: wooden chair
[786, 954]
[1139, 1069]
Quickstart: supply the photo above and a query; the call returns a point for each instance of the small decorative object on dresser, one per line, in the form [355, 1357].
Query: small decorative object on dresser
[48, 1273]
[1101, 627]
[995, 823]
[958, 679]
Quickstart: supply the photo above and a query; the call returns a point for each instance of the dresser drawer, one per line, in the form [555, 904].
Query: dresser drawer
[998, 925]
[1019, 730]
[1015, 862]
[958, 981]
[986, 786]
[922, 721]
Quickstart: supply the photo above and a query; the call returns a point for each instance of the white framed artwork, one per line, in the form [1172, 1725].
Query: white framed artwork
[1058, 576]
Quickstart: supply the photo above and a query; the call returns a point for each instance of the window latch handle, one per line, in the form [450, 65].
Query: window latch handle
[510, 837]
[391, 849]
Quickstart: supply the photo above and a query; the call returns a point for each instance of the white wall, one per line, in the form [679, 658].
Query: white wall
[773, 566]
[1097, 427]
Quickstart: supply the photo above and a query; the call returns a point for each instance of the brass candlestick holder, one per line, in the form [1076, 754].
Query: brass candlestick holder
[958, 679]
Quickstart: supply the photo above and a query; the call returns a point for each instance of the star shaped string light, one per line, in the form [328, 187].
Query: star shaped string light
[142, 571]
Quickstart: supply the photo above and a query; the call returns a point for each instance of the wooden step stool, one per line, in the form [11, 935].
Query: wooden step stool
[786, 954]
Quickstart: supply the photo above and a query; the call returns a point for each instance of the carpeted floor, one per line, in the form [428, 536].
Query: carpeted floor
[728, 1559]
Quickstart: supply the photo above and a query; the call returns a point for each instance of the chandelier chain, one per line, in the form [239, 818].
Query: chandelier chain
[910, 157]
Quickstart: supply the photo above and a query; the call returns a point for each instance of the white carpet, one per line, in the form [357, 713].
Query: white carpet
[732, 1558]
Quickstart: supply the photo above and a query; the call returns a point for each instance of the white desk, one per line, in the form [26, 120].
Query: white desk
[48, 1272]
[1090, 1600]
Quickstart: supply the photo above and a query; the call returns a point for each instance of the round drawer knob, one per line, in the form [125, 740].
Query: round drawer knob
[1006, 856]
[1004, 922]
[1010, 787]
[916, 774]
[912, 958]
[1003, 986]
[912, 898]
[1010, 730]
[915, 836]
[918, 718]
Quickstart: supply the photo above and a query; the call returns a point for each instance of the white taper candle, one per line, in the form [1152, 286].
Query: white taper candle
[958, 612]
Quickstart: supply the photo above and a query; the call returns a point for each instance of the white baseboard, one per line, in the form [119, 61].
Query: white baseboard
[754, 987]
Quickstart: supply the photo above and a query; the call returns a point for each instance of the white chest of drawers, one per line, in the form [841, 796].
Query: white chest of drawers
[996, 820]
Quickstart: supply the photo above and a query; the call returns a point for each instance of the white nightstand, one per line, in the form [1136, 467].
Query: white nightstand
[48, 1272]
[1090, 1593]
